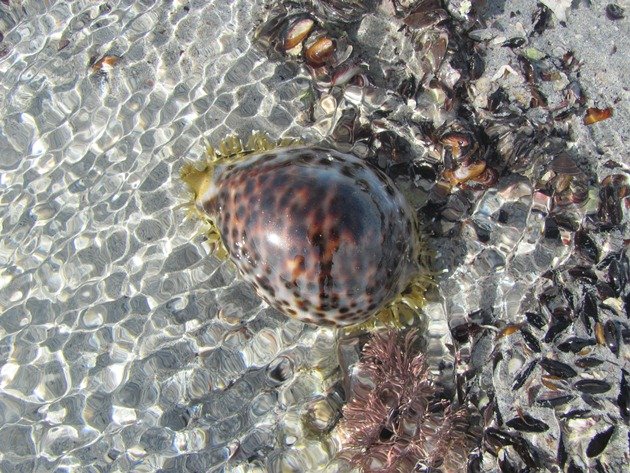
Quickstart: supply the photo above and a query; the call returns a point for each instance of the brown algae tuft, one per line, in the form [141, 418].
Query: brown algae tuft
[396, 417]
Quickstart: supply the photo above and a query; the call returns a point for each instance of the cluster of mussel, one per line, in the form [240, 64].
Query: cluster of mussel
[292, 32]
[357, 95]
[560, 394]
[565, 349]
[571, 405]
[464, 162]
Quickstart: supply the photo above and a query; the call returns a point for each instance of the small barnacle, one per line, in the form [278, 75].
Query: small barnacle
[322, 236]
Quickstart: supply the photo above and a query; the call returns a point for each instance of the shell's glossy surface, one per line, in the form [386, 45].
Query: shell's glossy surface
[322, 235]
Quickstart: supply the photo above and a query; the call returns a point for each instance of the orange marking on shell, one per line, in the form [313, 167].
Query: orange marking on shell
[106, 62]
[600, 336]
[296, 266]
[465, 173]
[509, 330]
[320, 51]
[594, 115]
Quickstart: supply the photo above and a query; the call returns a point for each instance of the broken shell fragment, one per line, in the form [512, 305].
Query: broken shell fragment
[464, 173]
[564, 164]
[105, 63]
[298, 32]
[594, 115]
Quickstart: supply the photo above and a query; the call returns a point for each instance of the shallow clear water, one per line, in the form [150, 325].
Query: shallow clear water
[125, 345]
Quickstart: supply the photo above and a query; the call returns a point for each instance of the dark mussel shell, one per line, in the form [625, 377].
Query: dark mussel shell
[522, 376]
[536, 319]
[531, 341]
[588, 362]
[592, 386]
[548, 400]
[527, 423]
[557, 368]
[575, 344]
[614, 11]
[623, 400]
[599, 442]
